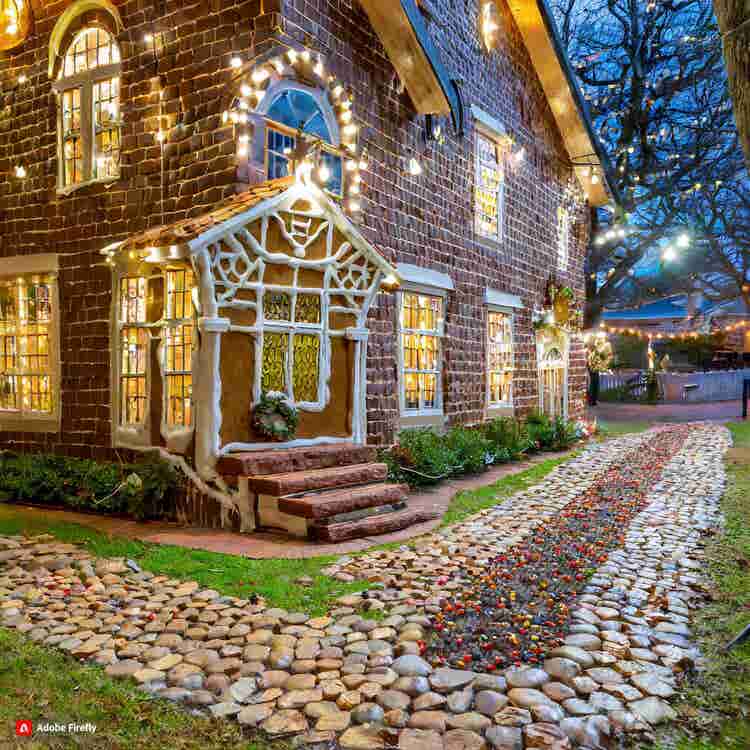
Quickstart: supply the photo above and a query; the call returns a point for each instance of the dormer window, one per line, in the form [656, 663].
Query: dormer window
[88, 90]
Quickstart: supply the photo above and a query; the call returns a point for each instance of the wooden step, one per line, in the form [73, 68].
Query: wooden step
[313, 480]
[373, 525]
[288, 460]
[334, 502]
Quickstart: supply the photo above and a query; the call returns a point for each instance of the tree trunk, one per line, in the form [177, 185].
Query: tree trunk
[731, 15]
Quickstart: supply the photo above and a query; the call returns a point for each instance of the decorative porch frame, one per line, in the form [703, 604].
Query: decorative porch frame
[545, 341]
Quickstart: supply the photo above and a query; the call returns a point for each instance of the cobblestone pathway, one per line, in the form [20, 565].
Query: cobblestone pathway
[367, 673]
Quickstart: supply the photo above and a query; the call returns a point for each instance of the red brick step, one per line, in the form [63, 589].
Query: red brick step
[371, 526]
[295, 482]
[333, 502]
[286, 460]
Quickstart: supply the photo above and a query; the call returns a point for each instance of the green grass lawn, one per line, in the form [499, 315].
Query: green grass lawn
[616, 429]
[716, 707]
[44, 685]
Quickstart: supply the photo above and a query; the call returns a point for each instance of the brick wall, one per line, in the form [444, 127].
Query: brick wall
[426, 220]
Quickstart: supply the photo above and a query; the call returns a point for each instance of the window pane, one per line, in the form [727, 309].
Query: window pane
[133, 354]
[487, 186]
[71, 110]
[499, 356]
[307, 308]
[421, 319]
[273, 369]
[277, 306]
[25, 367]
[90, 49]
[306, 367]
[133, 299]
[73, 160]
[179, 302]
[334, 163]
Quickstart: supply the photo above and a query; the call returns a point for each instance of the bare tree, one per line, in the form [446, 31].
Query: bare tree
[653, 75]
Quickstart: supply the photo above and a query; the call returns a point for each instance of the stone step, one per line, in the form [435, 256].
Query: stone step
[381, 523]
[288, 460]
[344, 500]
[294, 482]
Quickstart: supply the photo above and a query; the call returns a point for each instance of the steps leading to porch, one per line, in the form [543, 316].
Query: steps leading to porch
[325, 492]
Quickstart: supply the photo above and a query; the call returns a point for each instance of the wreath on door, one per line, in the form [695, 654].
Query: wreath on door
[275, 417]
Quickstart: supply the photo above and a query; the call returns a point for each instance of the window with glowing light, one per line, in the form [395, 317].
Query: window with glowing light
[292, 112]
[178, 348]
[421, 331]
[134, 350]
[500, 358]
[26, 363]
[88, 90]
[489, 190]
[563, 237]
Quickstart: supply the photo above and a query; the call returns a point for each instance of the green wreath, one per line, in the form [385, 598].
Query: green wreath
[275, 417]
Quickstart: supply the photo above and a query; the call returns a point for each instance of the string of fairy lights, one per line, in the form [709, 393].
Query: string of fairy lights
[655, 335]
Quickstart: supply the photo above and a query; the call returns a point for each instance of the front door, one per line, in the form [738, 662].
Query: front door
[552, 358]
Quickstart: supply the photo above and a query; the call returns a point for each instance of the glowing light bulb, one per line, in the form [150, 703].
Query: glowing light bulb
[669, 253]
[683, 240]
[236, 61]
[20, 171]
[415, 168]
[259, 75]
[160, 136]
[318, 69]
[148, 38]
[324, 173]
[22, 79]
[245, 90]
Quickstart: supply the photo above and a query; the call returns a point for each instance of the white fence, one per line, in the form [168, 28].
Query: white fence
[721, 385]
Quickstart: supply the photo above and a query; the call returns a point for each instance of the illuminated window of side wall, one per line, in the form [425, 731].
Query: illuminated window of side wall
[29, 346]
[421, 332]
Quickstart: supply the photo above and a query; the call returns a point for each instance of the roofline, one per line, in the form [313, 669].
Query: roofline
[583, 110]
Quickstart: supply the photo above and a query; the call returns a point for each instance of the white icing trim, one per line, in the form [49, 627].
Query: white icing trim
[502, 299]
[296, 443]
[425, 277]
[488, 122]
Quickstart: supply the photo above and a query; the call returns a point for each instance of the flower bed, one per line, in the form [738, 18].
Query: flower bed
[519, 607]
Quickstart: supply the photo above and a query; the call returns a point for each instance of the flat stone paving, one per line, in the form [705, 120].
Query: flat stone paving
[357, 675]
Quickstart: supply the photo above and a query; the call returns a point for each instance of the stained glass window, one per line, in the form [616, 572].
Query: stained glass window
[306, 367]
[178, 348]
[421, 350]
[273, 369]
[296, 110]
[89, 103]
[307, 308]
[25, 361]
[277, 306]
[500, 357]
[489, 190]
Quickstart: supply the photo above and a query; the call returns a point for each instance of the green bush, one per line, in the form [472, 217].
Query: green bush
[471, 448]
[143, 490]
[423, 457]
[564, 434]
[541, 431]
[509, 438]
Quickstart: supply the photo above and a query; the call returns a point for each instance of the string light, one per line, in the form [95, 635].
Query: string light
[236, 61]
[20, 171]
[415, 168]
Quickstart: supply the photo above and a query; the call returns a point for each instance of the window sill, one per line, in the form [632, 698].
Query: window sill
[13, 422]
[106, 181]
[500, 410]
[432, 418]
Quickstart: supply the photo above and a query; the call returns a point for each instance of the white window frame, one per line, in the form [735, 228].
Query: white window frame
[43, 264]
[494, 139]
[437, 410]
[512, 317]
[85, 82]
[563, 238]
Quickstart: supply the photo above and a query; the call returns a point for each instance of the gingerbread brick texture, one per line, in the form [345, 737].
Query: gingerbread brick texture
[182, 66]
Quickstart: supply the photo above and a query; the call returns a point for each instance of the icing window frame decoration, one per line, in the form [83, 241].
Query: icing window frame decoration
[89, 122]
[292, 331]
[501, 353]
[30, 349]
[435, 334]
[563, 238]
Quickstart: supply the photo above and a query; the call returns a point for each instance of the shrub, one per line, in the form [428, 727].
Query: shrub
[424, 457]
[471, 448]
[509, 438]
[564, 434]
[540, 429]
[144, 489]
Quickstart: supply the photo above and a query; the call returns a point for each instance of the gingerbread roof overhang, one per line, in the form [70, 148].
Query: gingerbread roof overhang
[400, 26]
[179, 240]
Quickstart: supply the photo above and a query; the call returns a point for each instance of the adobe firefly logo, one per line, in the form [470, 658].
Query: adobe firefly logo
[24, 728]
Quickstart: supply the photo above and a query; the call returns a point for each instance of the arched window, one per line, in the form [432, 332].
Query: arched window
[88, 90]
[293, 109]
